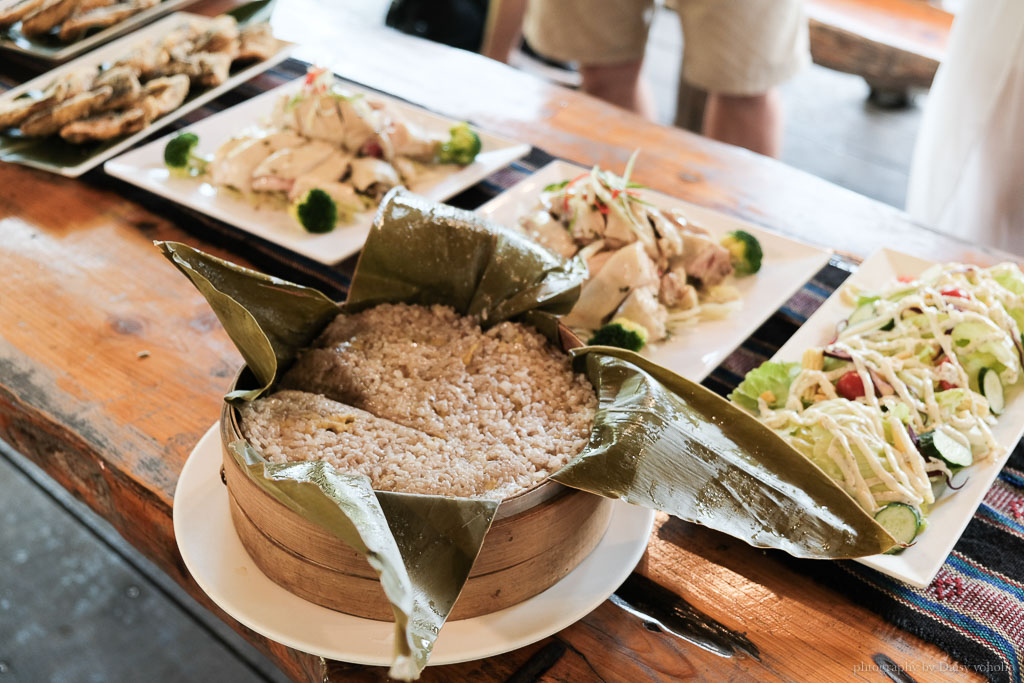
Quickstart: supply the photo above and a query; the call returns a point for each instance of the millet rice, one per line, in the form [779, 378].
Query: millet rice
[420, 400]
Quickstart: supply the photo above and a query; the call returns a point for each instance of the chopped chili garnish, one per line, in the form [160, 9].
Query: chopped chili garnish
[313, 74]
[905, 279]
[565, 199]
[946, 386]
[955, 292]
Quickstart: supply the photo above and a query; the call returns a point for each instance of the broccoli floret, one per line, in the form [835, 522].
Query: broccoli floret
[179, 157]
[622, 333]
[746, 251]
[316, 211]
[461, 148]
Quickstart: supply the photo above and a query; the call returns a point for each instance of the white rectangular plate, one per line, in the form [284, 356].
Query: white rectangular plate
[145, 167]
[11, 151]
[695, 352]
[12, 39]
[918, 564]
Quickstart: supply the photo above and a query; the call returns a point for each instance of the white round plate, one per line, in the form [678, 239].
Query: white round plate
[222, 568]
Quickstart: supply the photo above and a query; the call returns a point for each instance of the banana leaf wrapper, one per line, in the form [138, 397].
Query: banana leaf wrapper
[658, 440]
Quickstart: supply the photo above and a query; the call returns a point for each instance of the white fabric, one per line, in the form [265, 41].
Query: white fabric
[967, 176]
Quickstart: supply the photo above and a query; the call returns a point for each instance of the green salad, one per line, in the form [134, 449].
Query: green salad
[907, 392]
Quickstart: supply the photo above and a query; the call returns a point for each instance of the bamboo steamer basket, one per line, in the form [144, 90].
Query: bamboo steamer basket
[537, 538]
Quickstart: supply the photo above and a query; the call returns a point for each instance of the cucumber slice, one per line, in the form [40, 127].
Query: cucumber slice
[861, 313]
[902, 521]
[866, 312]
[992, 389]
[937, 444]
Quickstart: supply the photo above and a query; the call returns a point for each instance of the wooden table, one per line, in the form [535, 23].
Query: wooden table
[84, 291]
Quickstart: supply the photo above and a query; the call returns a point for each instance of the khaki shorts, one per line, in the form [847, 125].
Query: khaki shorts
[733, 47]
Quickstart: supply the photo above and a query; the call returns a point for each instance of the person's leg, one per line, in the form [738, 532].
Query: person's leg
[504, 28]
[620, 84]
[738, 53]
[607, 38]
[751, 121]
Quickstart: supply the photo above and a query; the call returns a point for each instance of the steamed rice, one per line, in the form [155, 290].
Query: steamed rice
[420, 400]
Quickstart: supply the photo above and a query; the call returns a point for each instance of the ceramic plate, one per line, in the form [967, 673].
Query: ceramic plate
[54, 155]
[49, 48]
[696, 351]
[222, 568]
[918, 564]
[145, 167]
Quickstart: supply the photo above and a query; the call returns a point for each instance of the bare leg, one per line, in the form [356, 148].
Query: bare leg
[504, 28]
[754, 122]
[619, 84]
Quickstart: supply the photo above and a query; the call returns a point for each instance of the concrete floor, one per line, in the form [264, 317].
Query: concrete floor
[79, 604]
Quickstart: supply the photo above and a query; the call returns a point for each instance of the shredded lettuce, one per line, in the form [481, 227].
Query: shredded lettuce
[770, 377]
[978, 346]
[1009, 277]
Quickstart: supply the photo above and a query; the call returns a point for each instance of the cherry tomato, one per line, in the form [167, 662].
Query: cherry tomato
[849, 386]
[946, 386]
[954, 292]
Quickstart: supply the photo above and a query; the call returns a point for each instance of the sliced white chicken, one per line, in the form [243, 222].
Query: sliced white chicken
[627, 269]
[361, 123]
[675, 292]
[368, 171]
[317, 118]
[278, 172]
[670, 242]
[704, 259]
[408, 139]
[235, 160]
[587, 223]
[597, 260]
[642, 307]
[549, 233]
[330, 170]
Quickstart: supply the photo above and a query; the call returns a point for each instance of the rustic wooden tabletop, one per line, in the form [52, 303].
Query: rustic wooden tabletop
[84, 291]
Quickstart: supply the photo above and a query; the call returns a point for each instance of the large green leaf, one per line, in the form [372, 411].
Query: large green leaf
[267, 318]
[422, 547]
[664, 442]
[423, 252]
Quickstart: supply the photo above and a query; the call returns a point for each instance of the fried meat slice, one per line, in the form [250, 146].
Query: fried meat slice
[105, 126]
[13, 11]
[48, 16]
[257, 43]
[50, 121]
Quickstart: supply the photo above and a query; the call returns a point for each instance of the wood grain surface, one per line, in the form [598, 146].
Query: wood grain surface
[84, 293]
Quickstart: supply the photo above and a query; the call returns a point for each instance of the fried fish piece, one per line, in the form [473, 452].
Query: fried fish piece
[13, 11]
[256, 43]
[90, 5]
[52, 120]
[220, 35]
[163, 95]
[48, 16]
[143, 60]
[105, 126]
[13, 112]
[126, 86]
[77, 24]
[204, 68]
